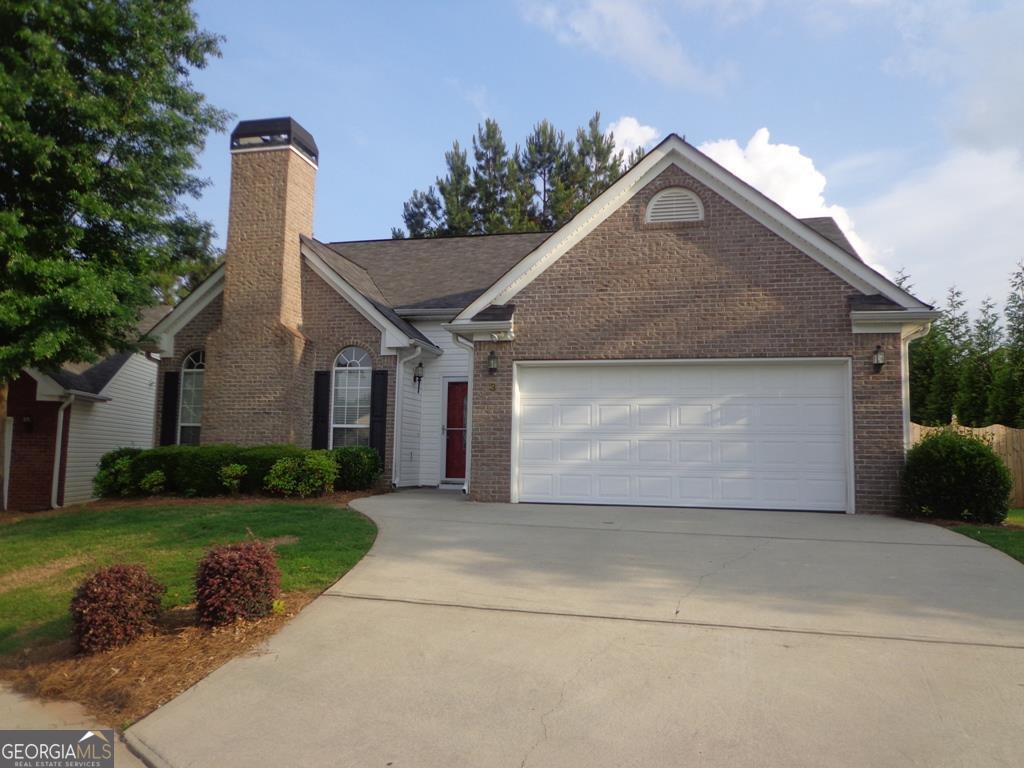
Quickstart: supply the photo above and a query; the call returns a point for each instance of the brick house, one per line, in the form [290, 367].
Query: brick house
[683, 341]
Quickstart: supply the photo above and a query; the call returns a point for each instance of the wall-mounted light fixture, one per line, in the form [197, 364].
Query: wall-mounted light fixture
[878, 358]
[492, 362]
[417, 375]
[26, 422]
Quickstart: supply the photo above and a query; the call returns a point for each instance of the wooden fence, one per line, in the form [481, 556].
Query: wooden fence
[1006, 441]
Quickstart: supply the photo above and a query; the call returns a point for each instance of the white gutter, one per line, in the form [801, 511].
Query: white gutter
[55, 483]
[468, 345]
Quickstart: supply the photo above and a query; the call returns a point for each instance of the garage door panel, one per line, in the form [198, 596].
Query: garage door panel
[760, 435]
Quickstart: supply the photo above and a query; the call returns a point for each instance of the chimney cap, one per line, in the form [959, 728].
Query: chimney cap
[274, 132]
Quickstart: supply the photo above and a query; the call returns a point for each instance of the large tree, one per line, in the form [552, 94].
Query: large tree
[537, 187]
[100, 130]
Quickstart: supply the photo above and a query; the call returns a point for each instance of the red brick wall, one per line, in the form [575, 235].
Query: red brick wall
[32, 447]
[725, 288]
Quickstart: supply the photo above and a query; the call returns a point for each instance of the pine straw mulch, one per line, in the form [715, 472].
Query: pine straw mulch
[123, 685]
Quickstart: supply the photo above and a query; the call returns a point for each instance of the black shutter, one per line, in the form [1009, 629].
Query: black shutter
[321, 409]
[169, 409]
[379, 412]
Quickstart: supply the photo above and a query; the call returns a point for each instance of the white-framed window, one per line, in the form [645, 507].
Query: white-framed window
[350, 398]
[190, 408]
[674, 205]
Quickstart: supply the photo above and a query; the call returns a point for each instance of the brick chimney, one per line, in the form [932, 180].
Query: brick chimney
[253, 359]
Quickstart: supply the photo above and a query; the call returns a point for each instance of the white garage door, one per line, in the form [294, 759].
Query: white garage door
[760, 435]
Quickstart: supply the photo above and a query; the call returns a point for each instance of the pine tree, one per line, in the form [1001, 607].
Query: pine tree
[1006, 397]
[457, 192]
[976, 367]
[545, 152]
[423, 214]
[490, 179]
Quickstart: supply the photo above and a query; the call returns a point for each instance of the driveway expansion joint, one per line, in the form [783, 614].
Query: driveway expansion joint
[678, 622]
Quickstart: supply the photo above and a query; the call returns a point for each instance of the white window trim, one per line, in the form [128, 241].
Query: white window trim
[334, 380]
[181, 391]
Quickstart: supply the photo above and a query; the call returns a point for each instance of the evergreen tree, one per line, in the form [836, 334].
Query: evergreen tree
[948, 345]
[976, 367]
[423, 214]
[1006, 397]
[456, 190]
[490, 179]
[542, 161]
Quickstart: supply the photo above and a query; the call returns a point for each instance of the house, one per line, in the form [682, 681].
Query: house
[60, 423]
[682, 341]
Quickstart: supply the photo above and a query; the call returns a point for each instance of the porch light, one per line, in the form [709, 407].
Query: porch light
[878, 358]
[417, 375]
[492, 362]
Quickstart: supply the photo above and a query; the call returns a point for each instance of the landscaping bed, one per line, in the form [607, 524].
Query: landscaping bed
[44, 557]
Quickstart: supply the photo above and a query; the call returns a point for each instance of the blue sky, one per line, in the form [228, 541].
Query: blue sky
[902, 119]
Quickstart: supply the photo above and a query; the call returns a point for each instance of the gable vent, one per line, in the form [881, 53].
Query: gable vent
[673, 205]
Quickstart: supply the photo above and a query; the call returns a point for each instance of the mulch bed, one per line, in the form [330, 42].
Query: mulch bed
[125, 684]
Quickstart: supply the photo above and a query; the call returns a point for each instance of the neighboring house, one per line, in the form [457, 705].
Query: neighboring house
[682, 341]
[61, 423]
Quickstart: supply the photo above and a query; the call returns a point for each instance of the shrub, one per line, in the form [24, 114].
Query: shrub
[258, 462]
[311, 475]
[154, 482]
[358, 468]
[114, 606]
[231, 476]
[114, 477]
[955, 476]
[236, 581]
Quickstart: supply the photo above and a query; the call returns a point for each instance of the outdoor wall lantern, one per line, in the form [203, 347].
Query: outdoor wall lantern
[26, 422]
[878, 358]
[417, 376]
[492, 362]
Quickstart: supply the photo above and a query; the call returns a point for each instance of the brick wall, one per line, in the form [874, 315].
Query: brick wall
[329, 325]
[32, 447]
[724, 288]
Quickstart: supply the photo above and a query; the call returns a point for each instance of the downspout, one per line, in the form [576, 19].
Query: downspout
[468, 346]
[55, 484]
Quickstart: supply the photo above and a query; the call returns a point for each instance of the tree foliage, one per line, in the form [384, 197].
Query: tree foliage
[536, 187]
[973, 371]
[100, 129]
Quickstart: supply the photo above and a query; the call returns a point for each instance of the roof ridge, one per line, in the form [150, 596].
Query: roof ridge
[332, 243]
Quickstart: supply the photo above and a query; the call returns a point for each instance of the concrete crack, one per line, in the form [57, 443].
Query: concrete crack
[713, 572]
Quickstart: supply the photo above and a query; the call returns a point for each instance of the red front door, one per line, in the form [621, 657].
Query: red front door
[455, 430]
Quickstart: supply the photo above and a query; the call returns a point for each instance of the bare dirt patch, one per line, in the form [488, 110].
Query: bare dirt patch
[35, 574]
[126, 684]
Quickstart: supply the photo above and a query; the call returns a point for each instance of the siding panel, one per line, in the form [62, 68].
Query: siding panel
[454, 363]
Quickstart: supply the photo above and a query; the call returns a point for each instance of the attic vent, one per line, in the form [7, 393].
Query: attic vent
[673, 205]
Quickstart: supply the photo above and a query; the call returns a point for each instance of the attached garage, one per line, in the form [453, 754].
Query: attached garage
[766, 434]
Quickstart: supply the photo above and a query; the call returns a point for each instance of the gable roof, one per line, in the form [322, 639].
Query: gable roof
[674, 150]
[93, 379]
[827, 227]
[435, 272]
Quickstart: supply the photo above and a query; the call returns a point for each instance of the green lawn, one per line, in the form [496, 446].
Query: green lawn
[43, 559]
[1008, 540]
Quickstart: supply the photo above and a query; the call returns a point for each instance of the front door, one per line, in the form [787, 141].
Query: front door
[455, 430]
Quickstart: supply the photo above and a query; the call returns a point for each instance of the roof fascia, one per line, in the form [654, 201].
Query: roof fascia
[165, 330]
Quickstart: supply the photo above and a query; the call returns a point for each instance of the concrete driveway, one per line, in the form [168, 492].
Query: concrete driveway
[500, 635]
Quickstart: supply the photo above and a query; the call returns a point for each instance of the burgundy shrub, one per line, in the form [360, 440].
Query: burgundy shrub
[114, 606]
[236, 581]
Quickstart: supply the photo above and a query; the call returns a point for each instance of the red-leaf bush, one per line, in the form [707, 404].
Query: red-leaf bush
[236, 581]
[114, 606]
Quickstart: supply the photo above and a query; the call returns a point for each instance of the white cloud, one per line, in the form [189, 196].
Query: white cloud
[957, 221]
[787, 176]
[630, 133]
[632, 32]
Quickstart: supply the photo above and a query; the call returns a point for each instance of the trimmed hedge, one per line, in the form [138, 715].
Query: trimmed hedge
[196, 470]
[953, 476]
[358, 468]
[114, 606]
[311, 475]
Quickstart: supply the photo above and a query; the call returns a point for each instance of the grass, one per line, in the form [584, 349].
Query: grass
[1008, 538]
[43, 559]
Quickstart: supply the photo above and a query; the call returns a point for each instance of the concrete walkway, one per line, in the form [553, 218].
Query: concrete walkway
[19, 712]
[503, 635]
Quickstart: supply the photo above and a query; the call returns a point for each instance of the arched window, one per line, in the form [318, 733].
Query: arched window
[190, 414]
[350, 410]
[674, 205]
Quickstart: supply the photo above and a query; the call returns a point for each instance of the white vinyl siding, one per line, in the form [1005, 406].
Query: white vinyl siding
[126, 420]
[452, 364]
[756, 435]
[410, 431]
